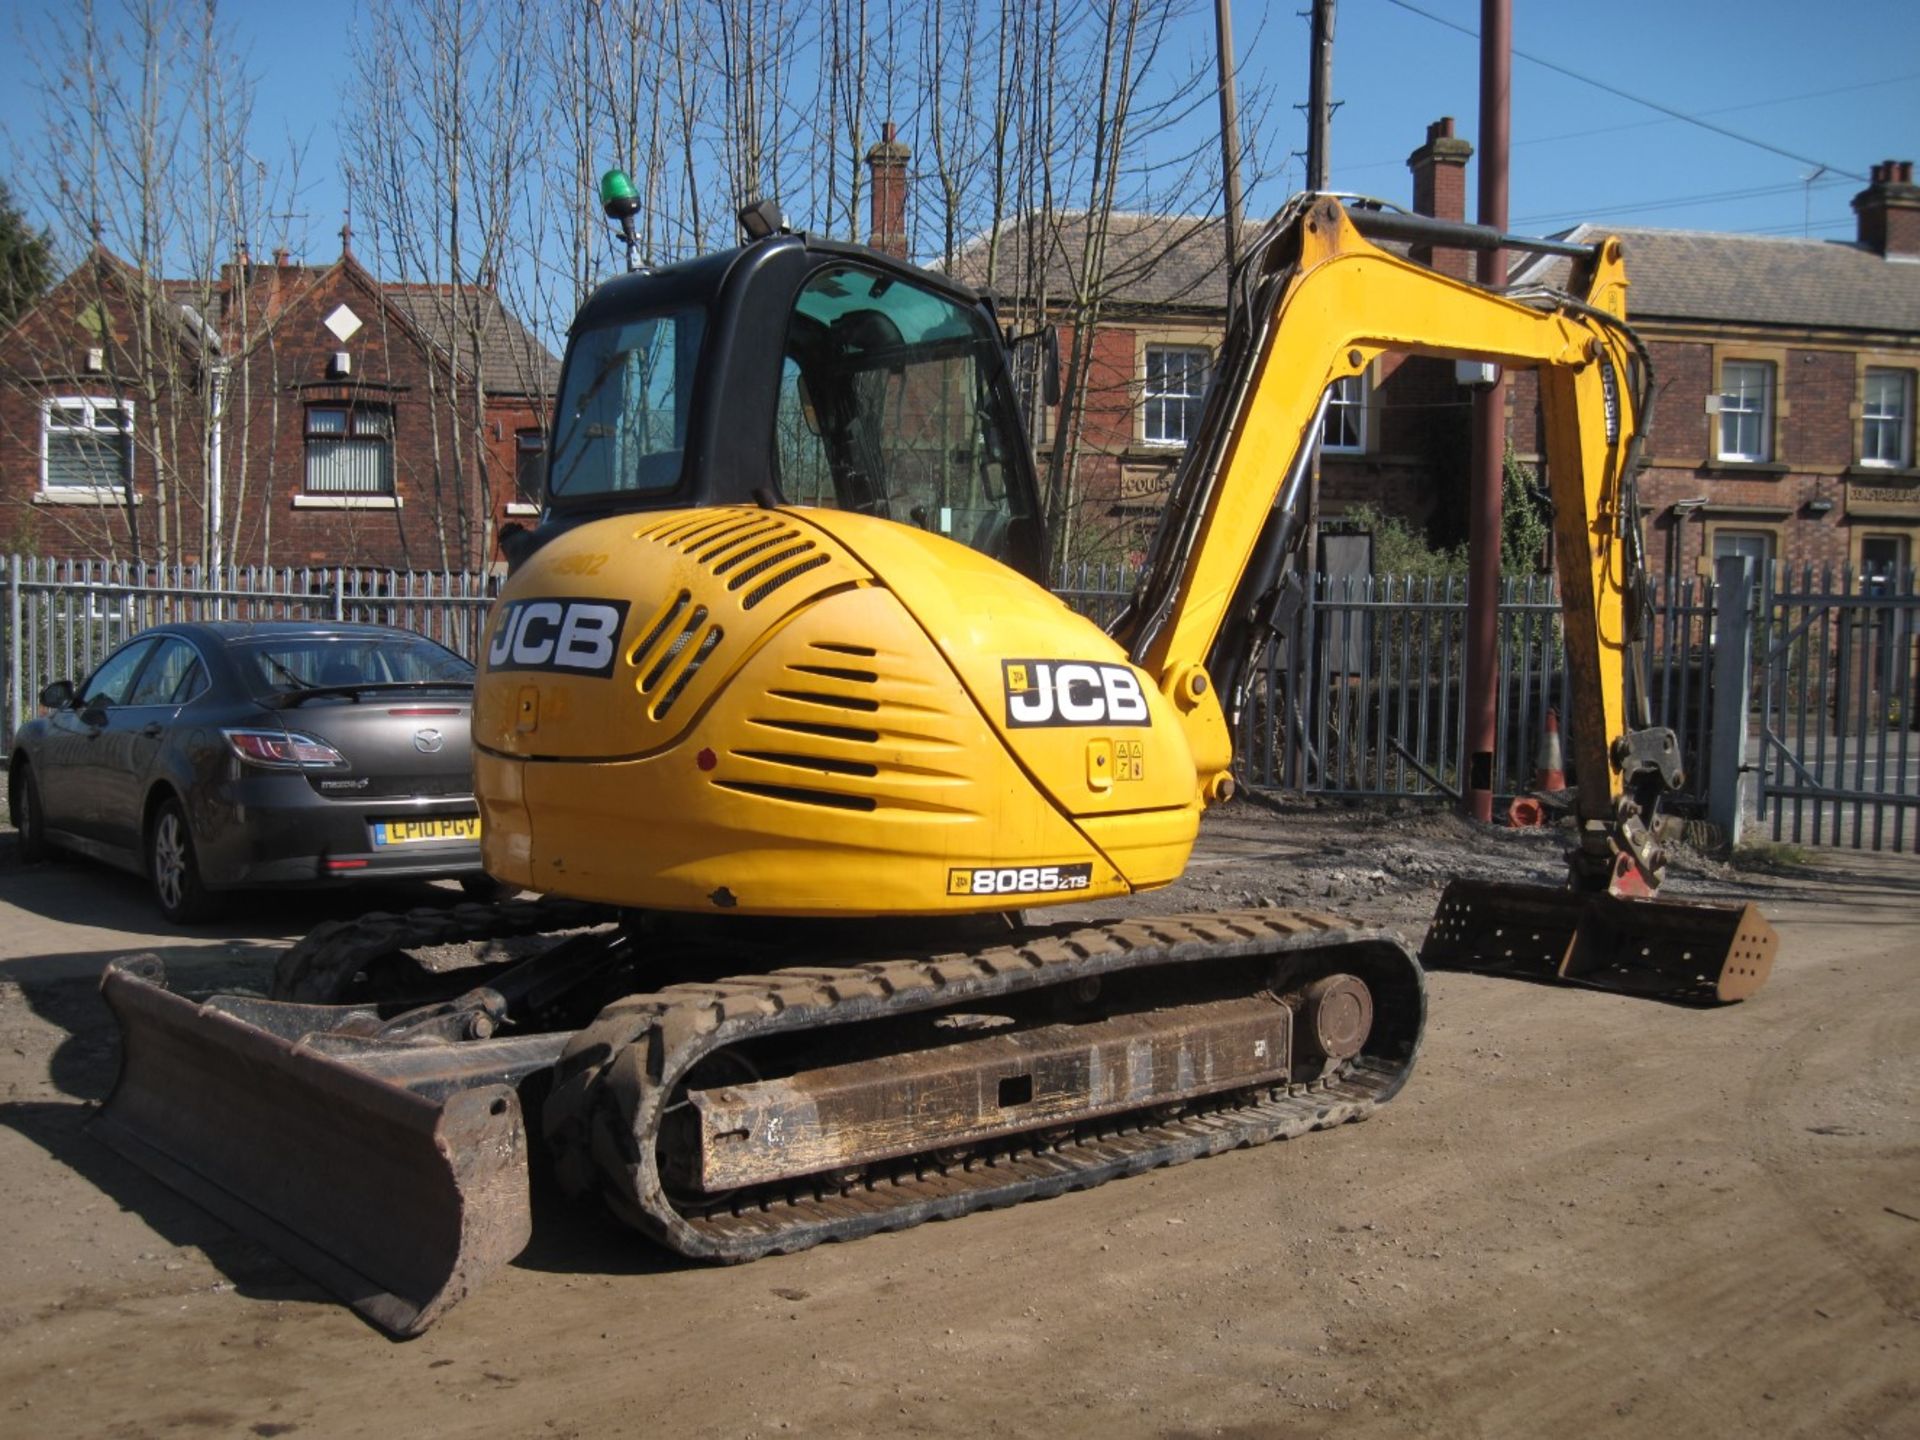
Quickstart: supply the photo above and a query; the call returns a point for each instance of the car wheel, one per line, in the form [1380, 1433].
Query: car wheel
[174, 868]
[28, 819]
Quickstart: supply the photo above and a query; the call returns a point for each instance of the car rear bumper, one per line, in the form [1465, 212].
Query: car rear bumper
[273, 830]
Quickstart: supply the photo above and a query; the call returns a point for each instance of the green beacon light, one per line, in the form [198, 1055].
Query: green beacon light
[617, 195]
[621, 202]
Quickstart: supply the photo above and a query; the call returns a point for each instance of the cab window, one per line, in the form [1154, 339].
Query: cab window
[889, 405]
[625, 403]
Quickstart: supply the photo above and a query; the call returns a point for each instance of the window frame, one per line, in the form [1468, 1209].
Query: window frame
[1902, 421]
[1149, 396]
[1361, 408]
[90, 404]
[1905, 542]
[352, 413]
[1768, 411]
[521, 450]
[1742, 529]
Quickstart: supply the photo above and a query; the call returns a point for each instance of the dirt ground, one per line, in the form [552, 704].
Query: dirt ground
[1586, 1215]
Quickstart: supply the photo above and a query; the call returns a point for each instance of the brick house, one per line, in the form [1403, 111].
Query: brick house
[280, 414]
[1787, 370]
[1395, 437]
[1785, 424]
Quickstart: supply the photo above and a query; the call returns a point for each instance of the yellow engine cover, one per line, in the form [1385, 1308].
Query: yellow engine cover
[805, 712]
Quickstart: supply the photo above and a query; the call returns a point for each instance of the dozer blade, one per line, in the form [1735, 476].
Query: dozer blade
[398, 1203]
[1680, 950]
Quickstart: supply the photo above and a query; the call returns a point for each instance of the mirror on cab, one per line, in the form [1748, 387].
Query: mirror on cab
[58, 695]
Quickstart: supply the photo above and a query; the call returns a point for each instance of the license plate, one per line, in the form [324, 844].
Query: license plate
[408, 832]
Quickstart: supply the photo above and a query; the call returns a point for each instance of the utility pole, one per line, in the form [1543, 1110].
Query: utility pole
[1229, 129]
[1489, 425]
[1319, 123]
[1319, 94]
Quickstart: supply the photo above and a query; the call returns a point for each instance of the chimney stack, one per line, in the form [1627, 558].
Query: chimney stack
[1440, 191]
[1889, 211]
[887, 165]
[281, 257]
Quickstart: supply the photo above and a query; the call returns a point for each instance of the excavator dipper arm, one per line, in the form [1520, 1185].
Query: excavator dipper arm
[1318, 302]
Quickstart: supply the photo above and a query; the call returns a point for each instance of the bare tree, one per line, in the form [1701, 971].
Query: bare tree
[151, 182]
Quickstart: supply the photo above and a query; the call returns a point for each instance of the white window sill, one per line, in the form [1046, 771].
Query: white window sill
[78, 496]
[515, 507]
[347, 502]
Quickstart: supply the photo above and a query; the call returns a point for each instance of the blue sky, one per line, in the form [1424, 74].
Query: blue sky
[1837, 85]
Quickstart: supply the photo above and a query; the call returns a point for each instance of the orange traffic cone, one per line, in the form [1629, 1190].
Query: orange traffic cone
[1553, 768]
[1527, 811]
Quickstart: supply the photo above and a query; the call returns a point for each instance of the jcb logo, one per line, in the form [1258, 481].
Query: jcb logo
[1073, 692]
[578, 636]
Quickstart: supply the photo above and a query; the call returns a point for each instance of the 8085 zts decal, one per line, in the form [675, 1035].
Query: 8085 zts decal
[1019, 880]
[1072, 692]
[576, 636]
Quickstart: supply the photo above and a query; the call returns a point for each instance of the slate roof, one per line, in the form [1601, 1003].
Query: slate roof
[512, 359]
[1153, 262]
[1755, 279]
[1174, 263]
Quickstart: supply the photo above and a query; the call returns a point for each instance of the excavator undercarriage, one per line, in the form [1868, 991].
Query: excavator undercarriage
[735, 1117]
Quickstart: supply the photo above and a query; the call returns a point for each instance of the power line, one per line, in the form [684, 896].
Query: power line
[1667, 110]
[1677, 202]
[1724, 109]
[1397, 162]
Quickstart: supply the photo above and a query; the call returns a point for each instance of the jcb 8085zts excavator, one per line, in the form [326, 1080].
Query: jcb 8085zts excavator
[775, 713]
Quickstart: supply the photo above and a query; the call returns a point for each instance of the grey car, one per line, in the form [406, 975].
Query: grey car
[212, 757]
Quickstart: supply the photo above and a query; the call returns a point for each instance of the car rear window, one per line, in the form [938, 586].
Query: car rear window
[316, 662]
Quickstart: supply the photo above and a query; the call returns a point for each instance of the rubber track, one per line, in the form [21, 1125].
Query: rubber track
[320, 966]
[612, 1084]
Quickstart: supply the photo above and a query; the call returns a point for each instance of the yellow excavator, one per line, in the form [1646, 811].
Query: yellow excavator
[774, 715]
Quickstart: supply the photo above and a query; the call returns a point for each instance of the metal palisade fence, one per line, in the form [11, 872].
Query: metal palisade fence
[1362, 695]
[65, 616]
[1835, 752]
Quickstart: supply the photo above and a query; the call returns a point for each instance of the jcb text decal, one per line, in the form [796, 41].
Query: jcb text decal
[1072, 692]
[579, 637]
[1019, 880]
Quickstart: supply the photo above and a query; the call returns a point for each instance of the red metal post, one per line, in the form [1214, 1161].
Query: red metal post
[1489, 426]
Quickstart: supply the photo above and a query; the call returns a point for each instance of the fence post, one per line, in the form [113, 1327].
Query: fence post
[13, 650]
[1732, 691]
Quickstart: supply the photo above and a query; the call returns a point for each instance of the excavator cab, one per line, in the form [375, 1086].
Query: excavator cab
[794, 371]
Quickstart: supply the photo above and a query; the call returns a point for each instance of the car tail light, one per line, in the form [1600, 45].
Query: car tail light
[284, 750]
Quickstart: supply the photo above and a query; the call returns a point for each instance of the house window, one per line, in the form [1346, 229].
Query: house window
[1883, 564]
[1886, 419]
[1344, 431]
[1746, 410]
[349, 450]
[1176, 384]
[86, 444]
[1756, 545]
[529, 466]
